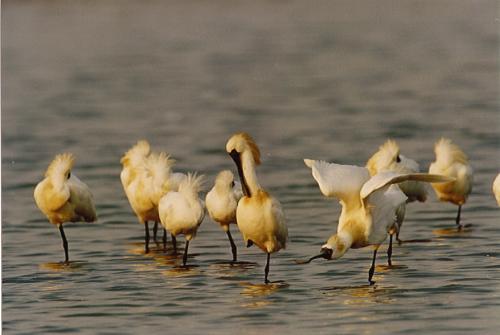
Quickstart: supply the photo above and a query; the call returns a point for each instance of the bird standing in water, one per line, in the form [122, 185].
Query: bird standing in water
[369, 205]
[221, 203]
[388, 158]
[182, 212]
[451, 161]
[62, 197]
[259, 215]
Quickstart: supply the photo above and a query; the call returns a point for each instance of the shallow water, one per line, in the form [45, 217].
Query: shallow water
[329, 80]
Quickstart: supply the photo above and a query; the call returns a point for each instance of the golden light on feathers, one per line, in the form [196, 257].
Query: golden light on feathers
[62, 163]
[239, 140]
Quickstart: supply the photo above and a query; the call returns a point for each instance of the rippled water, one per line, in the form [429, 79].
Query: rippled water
[328, 80]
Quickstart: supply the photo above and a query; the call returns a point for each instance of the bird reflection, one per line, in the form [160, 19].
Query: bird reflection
[453, 231]
[257, 293]
[363, 294]
[62, 266]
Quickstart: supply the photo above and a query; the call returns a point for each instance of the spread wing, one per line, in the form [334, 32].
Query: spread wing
[387, 178]
[340, 181]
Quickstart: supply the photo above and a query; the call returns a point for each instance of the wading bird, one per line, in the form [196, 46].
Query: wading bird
[388, 158]
[182, 212]
[146, 177]
[451, 161]
[221, 203]
[259, 215]
[62, 197]
[369, 205]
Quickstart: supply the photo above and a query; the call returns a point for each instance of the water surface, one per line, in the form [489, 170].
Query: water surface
[329, 80]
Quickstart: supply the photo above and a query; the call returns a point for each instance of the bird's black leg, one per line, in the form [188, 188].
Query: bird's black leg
[457, 220]
[185, 257]
[233, 246]
[164, 240]
[267, 268]
[372, 269]
[174, 244]
[155, 230]
[389, 251]
[397, 238]
[146, 237]
[65, 244]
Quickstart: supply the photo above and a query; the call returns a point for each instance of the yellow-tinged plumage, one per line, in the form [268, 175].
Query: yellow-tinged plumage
[259, 215]
[62, 197]
[453, 162]
[388, 158]
[221, 202]
[182, 212]
[146, 176]
[496, 188]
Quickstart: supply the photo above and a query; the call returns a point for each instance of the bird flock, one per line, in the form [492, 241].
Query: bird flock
[373, 198]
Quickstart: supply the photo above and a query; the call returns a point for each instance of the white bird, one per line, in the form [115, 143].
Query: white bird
[496, 188]
[221, 203]
[388, 158]
[182, 212]
[146, 177]
[369, 205]
[62, 197]
[259, 215]
[451, 161]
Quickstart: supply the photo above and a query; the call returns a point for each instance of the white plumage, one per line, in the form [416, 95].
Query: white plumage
[181, 212]
[221, 203]
[388, 158]
[451, 161]
[62, 197]
[369, 204]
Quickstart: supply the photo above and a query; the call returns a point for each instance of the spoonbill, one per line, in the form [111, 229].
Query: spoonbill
[259, 215]
[62, 197]
[451, 161]
[146, 178]
[388, 158]
[181, 212]
[369, 205]
[221, 203]
[496, 188]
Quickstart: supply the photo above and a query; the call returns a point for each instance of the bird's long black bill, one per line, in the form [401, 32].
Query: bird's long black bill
[322, 255]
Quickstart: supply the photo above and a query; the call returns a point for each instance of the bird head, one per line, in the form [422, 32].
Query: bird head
[334, 248]
[59, 169]
[240, 143]
[225, 179]
[386, 158]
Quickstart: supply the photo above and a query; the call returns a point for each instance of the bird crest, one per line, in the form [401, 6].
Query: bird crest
[193, 182]
[245, 139]
[385, 156]
[447, 151]
[61, 165]
[136, 153]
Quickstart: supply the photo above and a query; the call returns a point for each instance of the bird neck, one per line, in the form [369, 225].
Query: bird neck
[344, 242]
[249, 181]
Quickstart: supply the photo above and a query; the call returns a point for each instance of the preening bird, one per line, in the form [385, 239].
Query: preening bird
[451, 161]
[369, 205]
[259, 215]
[62, 197]
[496, 188]
[388, 158]
[221, 203]
[146, 176]
[182, 212]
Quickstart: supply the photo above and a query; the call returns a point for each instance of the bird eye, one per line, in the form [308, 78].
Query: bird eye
[69, 175]
[398, 159]
[232, 184]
